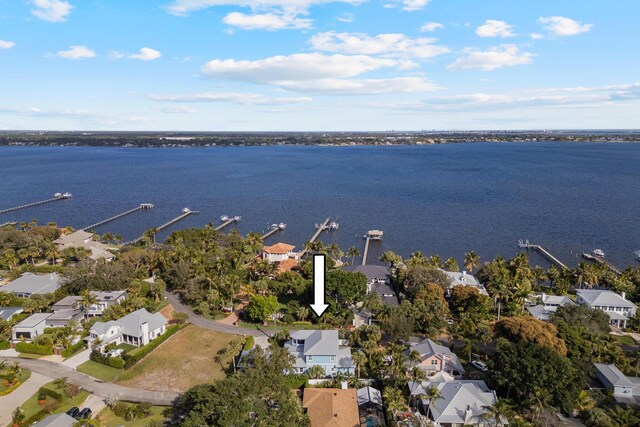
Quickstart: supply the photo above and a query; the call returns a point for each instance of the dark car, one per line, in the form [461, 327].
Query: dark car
[85, 414]
[73, 412]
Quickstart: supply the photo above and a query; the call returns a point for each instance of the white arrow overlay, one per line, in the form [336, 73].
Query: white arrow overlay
[318, 305]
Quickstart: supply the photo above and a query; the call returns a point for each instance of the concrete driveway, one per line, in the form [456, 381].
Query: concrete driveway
[95, 403]
[77, 360]
[16, 398]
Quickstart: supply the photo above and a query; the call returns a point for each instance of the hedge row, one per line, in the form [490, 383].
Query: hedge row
[25, 347]
[70, 351]
[44, 392]
[114, 362]
[4, 345]
[132, 359]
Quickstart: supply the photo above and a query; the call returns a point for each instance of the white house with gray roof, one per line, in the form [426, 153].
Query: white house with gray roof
[625, 389]
[33, 284]
[104, 300]
[137, 328]
[462, 403]
[548, 306]
[463, 278]
[30, 328]
[435, 357]
[320, 347]
[616, 306]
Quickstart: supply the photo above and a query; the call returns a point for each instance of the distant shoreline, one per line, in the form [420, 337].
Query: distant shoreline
[332, 139]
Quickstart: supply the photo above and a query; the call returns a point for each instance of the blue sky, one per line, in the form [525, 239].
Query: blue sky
[207, 65]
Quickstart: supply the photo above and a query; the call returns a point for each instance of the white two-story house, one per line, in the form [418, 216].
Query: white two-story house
[323, 348]
[616, 306]
[104, 300]
[137, 328]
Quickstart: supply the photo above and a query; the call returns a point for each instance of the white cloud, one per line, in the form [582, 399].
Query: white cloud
[114, 54]
[388, 45]
[51, 10]
[91, 116]
[493, 28]
[506, 55]
[146, 54]
[6, 44]
[561, 26]
[412, 5]
[362, 86]
[267, 21]
[346, 18]
[428, 27]
[179, 109]
[536, 36]
[183, 7]
[233, 97]
[77, 52]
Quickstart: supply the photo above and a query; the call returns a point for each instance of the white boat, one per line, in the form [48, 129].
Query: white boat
[282, 226]
[237, 218]
[599, 253]
[67, 195]
[637, 255]
[224, 218]
[186, 210]
[333, 225]
[58, 195]
[273, 226]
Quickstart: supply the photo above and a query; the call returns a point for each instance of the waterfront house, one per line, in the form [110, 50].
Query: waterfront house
[331, 407]
[104, 300]
[33, 284]
[278, 252]
[464, 279]
[370, 407]
[137, 328]
[83, 239]
[378, 281]
[548, 306]
[625, 389]
[616, 306]
[463, 402]
[320, 347]
[435, 357]
[30, 327]
[7, 313]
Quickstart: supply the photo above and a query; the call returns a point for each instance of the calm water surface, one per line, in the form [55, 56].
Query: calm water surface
[444, 199]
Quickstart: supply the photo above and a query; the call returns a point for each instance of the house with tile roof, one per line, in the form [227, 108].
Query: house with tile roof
[548, 306]
[616, 306]
[278, 252]
[320, 347]
[137, 328]
[83, 239]
[463, 402]
[435, 357]
[33, 284]
[331, 407]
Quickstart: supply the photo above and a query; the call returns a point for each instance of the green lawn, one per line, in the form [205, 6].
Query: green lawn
[24, 375]
[109, 419]
[625, 339]
[126, 347]
[30, 356]
[100, 371]
[31, 407]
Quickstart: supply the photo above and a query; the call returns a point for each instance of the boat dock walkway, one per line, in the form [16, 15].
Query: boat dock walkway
[542, 251]
[185, 213]
[273, 230]
[371, 235]
[602, 261]
[226, 221]
[55, 198]
[324, 226]
[143, 206]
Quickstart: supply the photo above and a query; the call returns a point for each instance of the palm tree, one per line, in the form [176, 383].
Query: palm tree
[471, 260]
[540, 275]
[431, 396]
[60, 383]
[359, 358]
[52, 252]
[497, 412]
[394, 400]
[302, 313]
[353, 252]
[87, 299]
[233, 348]
[584, 402]
[435, 261]
[451, 264]
[10, 259]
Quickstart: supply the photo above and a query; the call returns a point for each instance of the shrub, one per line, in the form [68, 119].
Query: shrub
[296, 380]
[4, 345]
[248, 344]
[116, 362]
[24, 347]
[120, 409]
[132, 359]
[10, 389]
[45, 392]
[70, 351]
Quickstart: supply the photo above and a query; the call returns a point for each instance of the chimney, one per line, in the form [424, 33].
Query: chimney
[344, 385]
[544, 297]
[468, 415]
[623, 295]
[144, 330]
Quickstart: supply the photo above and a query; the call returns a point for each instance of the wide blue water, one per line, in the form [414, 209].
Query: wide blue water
[444, 199]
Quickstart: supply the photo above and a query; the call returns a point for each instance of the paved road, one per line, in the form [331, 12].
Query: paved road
[17, 397]
[212, 325]
[92, 385]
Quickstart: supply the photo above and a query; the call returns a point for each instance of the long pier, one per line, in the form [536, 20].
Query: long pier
[185, 213]
[273, 230]
[542, 251]
[143, 206]
[602, 261]
[324, 226]
[371, 235]
[55, 198]
[8, 223]
[227, 221]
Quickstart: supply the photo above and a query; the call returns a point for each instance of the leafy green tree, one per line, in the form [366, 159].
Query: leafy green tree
[316, 372]
[261, 308]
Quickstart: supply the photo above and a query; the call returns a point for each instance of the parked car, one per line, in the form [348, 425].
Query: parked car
[73, 412]
[480, 365]
[85, 414]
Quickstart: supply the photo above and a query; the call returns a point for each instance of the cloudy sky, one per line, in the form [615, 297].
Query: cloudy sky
[207, 65]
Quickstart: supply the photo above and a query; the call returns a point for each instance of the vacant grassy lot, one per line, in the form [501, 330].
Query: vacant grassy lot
[188, 358]
[109, 419]
[100, 371]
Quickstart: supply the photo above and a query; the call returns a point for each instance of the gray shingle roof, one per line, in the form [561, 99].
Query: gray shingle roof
[30, 283]
[385, 292]
[33, 320]
[130, 324]
[373, 272]
[320, 343]
[603, 298]
[428, 348]
[613, 375]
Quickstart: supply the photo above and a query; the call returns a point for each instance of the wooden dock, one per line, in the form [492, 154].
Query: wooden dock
[227, 222]
[371, 235]
[55, 198]
[272, 230]
[324, 226]
[602, 261]
[143, 206]
[185, 213]
[542, 251]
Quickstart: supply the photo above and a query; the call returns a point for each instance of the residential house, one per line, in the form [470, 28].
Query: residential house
[625, 389]
[616, 306]
[331, 407]
[66, 311]
[378, 281]
[281, 254]
[463, 402]
[83, 239]
[30, 327]
[320, 347]
[33, 284]
[464, 279]
[137, 328]
[7, 313]
[370, 407]
[57, 420]
[70, 302]
[548, 306]
[435, 357]
[104, 300]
